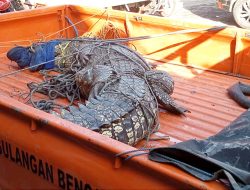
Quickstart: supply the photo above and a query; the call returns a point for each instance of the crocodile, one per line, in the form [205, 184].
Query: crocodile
[121, 89]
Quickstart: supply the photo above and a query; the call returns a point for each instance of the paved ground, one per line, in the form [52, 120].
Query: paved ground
[203, 11]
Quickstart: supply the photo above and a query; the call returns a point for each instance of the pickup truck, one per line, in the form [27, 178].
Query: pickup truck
[41, 151]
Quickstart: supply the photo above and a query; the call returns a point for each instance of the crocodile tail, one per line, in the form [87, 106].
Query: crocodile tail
[130, 129]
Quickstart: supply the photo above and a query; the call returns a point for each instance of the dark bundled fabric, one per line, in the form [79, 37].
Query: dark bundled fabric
[238, 93]
[35, 56]
[223, 156]
[21, 55]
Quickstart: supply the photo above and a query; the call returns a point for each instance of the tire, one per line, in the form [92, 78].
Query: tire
[163, 8]
[168, 8]
[241, 13]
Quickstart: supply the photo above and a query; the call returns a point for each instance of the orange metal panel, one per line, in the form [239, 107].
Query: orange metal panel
[26, 27]
[190, 49]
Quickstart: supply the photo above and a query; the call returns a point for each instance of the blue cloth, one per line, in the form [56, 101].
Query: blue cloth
[21, 55]
[43, 53]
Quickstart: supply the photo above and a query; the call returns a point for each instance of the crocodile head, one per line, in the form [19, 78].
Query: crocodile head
[84, 80]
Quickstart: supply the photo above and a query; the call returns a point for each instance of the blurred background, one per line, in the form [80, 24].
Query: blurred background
[213, 12]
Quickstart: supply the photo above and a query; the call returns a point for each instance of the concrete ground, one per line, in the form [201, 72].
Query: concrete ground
[203, 11]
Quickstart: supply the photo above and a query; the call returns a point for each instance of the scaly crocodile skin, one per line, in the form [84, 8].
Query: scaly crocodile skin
[121, 88]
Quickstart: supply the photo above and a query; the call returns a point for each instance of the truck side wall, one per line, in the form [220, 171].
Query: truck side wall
[225, 50]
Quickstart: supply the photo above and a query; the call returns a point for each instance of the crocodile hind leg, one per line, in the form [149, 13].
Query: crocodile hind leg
[162, 85]
[168, 102]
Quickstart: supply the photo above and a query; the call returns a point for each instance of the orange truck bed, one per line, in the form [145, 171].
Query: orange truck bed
[41, 151]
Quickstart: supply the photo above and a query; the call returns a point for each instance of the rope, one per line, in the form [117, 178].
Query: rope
[138, 152]
[49, 35]
[15, 41]
[74, 24]
[108, 28]
[62, 85]
[34, 66]
[119, 40]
